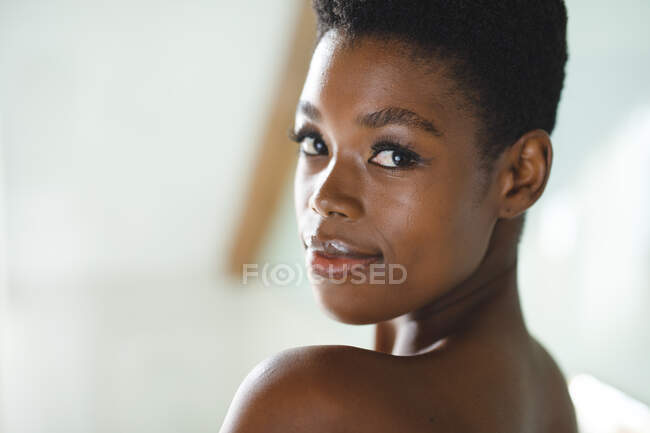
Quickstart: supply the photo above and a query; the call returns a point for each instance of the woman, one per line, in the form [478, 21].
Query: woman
[423, 129]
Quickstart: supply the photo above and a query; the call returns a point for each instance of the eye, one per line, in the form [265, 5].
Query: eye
[313, 145]
[392, 155]
[310, 142]
[391, 158]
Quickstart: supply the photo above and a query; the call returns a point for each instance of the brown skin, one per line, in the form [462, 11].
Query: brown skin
[452, 352]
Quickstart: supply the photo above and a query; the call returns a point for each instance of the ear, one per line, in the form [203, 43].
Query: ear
[523, 172]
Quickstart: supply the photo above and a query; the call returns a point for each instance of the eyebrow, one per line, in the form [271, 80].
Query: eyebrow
[378, 119]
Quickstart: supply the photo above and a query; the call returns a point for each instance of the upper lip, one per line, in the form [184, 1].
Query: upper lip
[338, 247]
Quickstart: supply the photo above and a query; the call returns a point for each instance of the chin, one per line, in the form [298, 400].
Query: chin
[352, 304]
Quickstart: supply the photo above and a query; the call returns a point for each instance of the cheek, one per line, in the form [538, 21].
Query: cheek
[435, 237]
[301, 190]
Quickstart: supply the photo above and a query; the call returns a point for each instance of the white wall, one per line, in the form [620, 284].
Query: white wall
[3, 270]
[129, 130]
[584, 267]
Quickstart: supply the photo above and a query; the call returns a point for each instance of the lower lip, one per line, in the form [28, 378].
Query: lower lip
[338, 266]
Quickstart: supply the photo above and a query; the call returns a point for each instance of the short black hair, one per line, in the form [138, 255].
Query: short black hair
[507, 56]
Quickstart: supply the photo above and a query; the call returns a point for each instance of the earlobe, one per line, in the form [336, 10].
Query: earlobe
[525, 172]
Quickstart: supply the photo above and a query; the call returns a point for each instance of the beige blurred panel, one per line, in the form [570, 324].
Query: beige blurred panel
[275, 158]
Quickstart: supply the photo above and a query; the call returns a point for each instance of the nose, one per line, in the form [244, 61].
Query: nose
[333, 195]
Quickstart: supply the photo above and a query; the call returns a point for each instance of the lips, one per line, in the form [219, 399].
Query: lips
[339, 247]
[335, 257]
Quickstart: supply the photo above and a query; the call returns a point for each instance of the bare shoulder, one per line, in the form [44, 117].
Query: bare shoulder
[320, 388]
[331, 388]
[559, 414]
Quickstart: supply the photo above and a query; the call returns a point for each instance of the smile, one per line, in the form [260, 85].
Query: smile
[335, 258]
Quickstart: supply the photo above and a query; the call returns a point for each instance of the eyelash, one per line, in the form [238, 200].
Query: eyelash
[378, 147]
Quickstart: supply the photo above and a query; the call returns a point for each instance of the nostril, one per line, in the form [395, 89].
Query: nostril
[345, 207]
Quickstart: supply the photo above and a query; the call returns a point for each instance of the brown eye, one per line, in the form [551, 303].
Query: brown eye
[392, 158]
[310, 142]
[313, 145]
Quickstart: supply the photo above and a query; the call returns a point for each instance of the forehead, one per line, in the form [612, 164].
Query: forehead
[373, 73]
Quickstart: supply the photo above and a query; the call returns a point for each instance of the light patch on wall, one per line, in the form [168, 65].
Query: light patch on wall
[49, 238]
[615, 205]
[558, 232]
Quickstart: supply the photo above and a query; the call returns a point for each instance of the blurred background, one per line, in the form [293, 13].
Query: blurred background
[130, 143]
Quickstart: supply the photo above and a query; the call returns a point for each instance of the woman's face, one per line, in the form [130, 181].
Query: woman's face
[388, 167]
